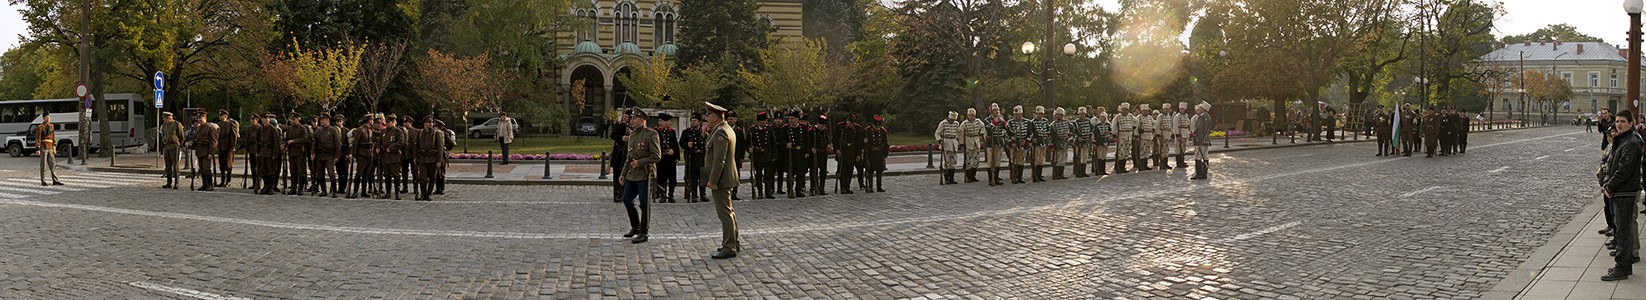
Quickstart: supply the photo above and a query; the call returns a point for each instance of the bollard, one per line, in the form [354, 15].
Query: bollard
[488, 164]
[603, 164]
[929, 164]
[546, 161]
[1226, 138]
[71, 158]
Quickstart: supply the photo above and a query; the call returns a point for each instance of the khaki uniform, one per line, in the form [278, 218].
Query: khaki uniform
[1164, 129]
[998, 141]
[363, 140]
[1147, 125]
[431, 147]
[1021, 142]
[391, 143]
[204, 144]
[327, 142]
[723, 174]
[171, 141]
[297, 153]
[971, 138]
[948, 135]
[228, 135]
[270, 149]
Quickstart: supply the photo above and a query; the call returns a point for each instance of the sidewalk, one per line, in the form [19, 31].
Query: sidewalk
[1570, 266]
[589, 172]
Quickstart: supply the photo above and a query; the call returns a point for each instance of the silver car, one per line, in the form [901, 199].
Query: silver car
[489, 129]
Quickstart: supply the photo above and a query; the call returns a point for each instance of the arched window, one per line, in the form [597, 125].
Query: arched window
[628, 23]
[663, 24]
[592, 32]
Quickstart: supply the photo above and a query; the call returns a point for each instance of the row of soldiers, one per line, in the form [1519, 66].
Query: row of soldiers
[1438, 130]
[787, 152]
[1144, 138]
[316, 157]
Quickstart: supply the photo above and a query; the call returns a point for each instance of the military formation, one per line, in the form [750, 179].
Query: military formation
[389, 156]
[1080, 142]
[1435, 131]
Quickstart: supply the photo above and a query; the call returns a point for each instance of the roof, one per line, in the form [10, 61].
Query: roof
[1556, 51]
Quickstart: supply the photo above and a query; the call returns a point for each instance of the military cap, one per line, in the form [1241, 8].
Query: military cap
[636, 112]
[953, 114]
[1125, 106]
[715, 109]
[731, 114]
[994, 106]
[337, 117]
[761, 116]
[1204, 105]
[877, 119]
[822, 118]
[971, 111]
[1059, 111]
[1081, 110]
[1144, 106]
[1017, 109]
[223, 111]
[665, 116]
[1039, 109]
[439, 123]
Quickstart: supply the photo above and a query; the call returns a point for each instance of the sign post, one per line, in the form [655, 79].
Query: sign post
[81, 91]
[159, 102]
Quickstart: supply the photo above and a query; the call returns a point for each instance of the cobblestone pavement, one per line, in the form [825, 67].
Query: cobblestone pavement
[1329, 221]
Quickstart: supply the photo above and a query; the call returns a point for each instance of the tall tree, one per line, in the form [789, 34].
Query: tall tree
[721, 32]
[1554, 32]
[935, 70]
[793, 75]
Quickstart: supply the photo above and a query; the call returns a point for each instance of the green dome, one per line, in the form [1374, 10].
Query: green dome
[587, 47]
[628, 48]
[666, 49]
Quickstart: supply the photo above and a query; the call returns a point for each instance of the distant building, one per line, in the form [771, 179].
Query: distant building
[1595, 70]
[626, 34]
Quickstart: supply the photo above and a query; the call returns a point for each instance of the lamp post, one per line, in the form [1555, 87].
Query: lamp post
[1046, 71]
[1633, 7]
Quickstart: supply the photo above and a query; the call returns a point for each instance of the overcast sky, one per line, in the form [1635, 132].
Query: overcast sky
[1601, 18]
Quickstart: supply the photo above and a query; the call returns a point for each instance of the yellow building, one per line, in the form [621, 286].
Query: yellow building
[1597, 73]
[625, 34]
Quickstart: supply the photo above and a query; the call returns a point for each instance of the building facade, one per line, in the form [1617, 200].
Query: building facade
[625, 34]
[1596, 71]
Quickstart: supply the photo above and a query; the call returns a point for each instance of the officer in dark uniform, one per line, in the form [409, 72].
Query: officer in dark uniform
[327, 141]
[340, 167]
[228, 134]
[362, 141]
[799, 134]
[821, 147]
[780, 149]
[1380, 124]
[763, 165]
[1431, 132]
[848, 140]
[392, 146]
[694, 142]
[1463, 132]
[270, 143]
[407, 132]
[1022, 144]
[1409, 138]
[667, 181]
[741, 153]
[876, 148]
[204, 144]
[297, 153]
[1444, 114]
[619, 133]
[430, 145]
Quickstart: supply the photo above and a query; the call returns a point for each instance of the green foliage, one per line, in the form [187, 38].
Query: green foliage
[721, 32]
[793, 75]
[1554, 32]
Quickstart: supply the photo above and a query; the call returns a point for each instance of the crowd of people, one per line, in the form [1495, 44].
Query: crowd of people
[1146, 137]
[1435, 131]
[383, 157]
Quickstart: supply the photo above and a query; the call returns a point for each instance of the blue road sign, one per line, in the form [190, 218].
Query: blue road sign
[159, 81]
[159, 98]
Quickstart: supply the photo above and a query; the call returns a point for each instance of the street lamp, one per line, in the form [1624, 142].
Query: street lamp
[1633, 7]
[1046, 73]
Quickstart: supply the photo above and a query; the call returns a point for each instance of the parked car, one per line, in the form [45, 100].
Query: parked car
[587, 126]
[489, 129]
[68, 130]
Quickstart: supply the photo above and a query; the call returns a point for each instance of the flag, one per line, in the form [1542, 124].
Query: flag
[1396, 129]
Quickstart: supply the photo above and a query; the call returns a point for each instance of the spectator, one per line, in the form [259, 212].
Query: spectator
[1620, 183]
[505, 134]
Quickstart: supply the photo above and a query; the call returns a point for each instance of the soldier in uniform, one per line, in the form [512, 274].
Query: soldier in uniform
[877, 148]
[780, 149]
[406, 153]
[253, 161]
[1409, 139]
[271, 149]
[1022, 141]
[1163, 135]
[799, 153]
[764, 165]
[971, 139]
[445, 157]
[363, 140]
[1062, 135]
[1147, 124]
[948, 135]
[392, 147]
[692, 142]
[228, 133]
[1431, 132]
[1102, 136]
[741, 152]
[722, 175]
[1184, 128]
[1380, 124]
[1463, 132]
[1041, 128]
[1201, 132]
[820, 154]
[1444, 129]
[669, 145]
[999, 141]
[849, 143]
[1125, 132]
[1083, 133]
[643, 155]
[431, 145]
[171, 139]
[204, 143]
[297, 153]
[327, 141]
[340, 167]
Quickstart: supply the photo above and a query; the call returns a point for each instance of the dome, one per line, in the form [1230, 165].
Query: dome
[628, 48]
[666, 49]
[587, 47]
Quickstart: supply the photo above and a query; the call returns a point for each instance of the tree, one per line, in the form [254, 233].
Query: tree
[791, 77]
[649, 84]
[380, 64]
[1554, 32]
[1546, 88]
[722, 33]
[696, 84]
[319, 77]
[933, 69]
[463, 84]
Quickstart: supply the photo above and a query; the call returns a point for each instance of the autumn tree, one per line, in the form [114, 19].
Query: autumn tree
[790, 76]
[380, 64]
[318, 77]
[648, 85]
[1554, 32]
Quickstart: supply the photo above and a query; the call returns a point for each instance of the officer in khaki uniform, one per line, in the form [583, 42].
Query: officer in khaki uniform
[1163, 135]
[971, 138]
[1181, 135]
[297, 150]
[1146, 126]
[326, 141]
[362, 141]
[391, 141]
[204, 144]
[171, 139]
[948, 135]
[1125, 130]
[270, 150]
[722, 177]
[431, 145]
[228, 134]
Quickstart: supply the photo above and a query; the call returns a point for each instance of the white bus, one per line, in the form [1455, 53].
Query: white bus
[126, 120]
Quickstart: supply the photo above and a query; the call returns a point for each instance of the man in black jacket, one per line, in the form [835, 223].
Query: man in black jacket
[1620, 183]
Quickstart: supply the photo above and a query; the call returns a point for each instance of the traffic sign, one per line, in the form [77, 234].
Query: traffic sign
[81, 91]
[159, 98]
[159, 81]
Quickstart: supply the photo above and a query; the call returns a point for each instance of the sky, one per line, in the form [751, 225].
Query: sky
[1600, 18]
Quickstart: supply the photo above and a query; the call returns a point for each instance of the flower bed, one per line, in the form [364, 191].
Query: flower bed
[557, 156]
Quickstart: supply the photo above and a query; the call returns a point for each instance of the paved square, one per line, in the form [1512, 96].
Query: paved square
[1314, 222]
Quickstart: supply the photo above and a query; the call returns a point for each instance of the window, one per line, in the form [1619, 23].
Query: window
[590, 33]
[663, 25]
[1568, 77]
[1594, 79]
[628, 23]
[1614, 79]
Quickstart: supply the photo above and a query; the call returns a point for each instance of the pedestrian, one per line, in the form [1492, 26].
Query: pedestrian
[1201, 132]
[948, 137]
[1620, 183]
[228, 134]
[643, 155]
[505, 134]
[204, 143]
[171, 140]
[45, 139]
[722, 175]
[1604, 126]
[669, 143]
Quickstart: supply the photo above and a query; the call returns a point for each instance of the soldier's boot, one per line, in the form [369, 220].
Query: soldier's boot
[1101, 168]
[1080, 171]
[971, 175]
[440, 189]
[1017, 174]
[206, 183]
[879, 185]
[1057, 172]
[1143, 164]
[1199, 170]
[1119, 166]
[948, 177]
[995, 175]
[1038, 176]
[1180, 163]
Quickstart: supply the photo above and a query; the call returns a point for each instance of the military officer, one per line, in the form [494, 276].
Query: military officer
[1022, 140]
[1147, 124]
[820, 154]
[1409, 138]
[1083, 133]
[1444, 130]
[297, 153]
[271, 149]
[1062, 137]
[877, 148]
[1102, 137]
[255, 175]
[1380, 125]
[971, 139]
[1184, 128]
[948, 135]
[392, 140]
[849, 143]
[1163, 135]
[998, 141]
[741, 152]
[430, 145]
[779, 147]
[1463, 132]
[1201, 131]
[327, 141]
[171, 141]
[1125, 132]
[764, 151]
[669, 145]
[407, 132]
[643, 155]
[1431, 132]
[723, 175]
[204, 144]
[691, 142]
[445, 157]
[1042, 130]
[799, 138]
[340, 168]
[362, 141]
[228, 134]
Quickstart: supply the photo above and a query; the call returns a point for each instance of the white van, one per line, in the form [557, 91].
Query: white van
[68, 132]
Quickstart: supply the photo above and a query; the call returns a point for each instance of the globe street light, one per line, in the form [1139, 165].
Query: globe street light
[1633, 7]
[1047, 71]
